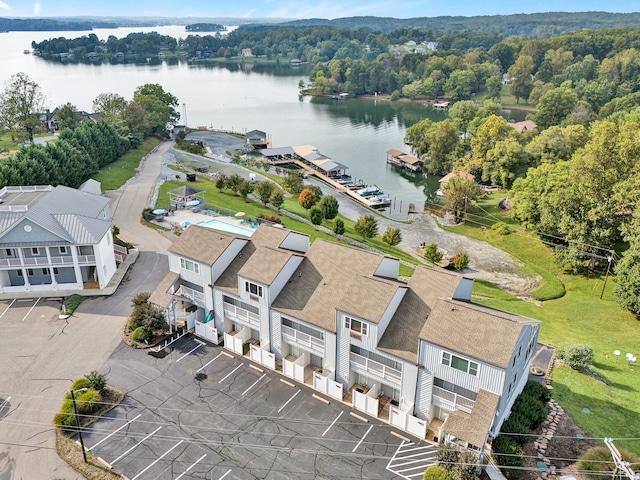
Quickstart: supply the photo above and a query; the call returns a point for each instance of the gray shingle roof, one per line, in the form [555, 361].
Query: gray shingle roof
[69, 214]
[476, 331]
[202, 244]
[473, 427]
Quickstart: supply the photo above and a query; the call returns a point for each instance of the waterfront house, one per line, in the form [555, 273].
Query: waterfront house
[342, 320]
[257, 139]
[54, 238]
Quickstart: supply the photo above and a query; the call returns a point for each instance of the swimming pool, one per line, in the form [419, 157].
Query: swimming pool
[227, 227]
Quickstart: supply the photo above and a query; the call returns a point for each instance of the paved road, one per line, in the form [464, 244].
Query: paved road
[41, 354]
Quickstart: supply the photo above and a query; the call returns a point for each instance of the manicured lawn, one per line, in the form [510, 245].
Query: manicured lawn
[507, 100]
[579, 316]
[114, 175]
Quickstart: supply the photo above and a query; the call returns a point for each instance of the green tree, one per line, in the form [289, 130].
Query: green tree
[329, 206]
[627, 270]
[459, 193]
[233, 182]
[159, 105]
[245, 188]
[264, 191]
[338, 226]
[306, 199]
[21, 104]
[220, 183]
[316, 216]
[460, 260]
[67, 116]
[494, 87]
[520, 77]
[462, 113]
[413, 90]
[110, 107]
[578, 356]
[277, 199]
[392, 236]
[433, 253]
[459, 85]
[554, 106]
[366, 226]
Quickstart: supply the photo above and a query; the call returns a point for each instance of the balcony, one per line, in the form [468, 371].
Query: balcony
[29, 262]
[366, 365]
[243, 316]
[190, 293]
[291, 335]
[450, 400]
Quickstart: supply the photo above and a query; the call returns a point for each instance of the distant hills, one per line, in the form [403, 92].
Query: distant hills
[535, 25]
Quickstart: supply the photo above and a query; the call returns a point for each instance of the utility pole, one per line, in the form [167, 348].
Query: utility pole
[79, 428]
[623, 468]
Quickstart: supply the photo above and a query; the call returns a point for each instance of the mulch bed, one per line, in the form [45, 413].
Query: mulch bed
[69, 450]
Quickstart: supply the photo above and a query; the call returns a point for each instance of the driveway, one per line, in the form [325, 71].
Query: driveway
[42, 354]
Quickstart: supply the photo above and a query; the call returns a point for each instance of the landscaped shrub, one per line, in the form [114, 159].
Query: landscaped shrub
[501, 228]
[141, 334]
[530, 410]
[140, 299]
[338, 227]
[508, 453]
[97, 381]
[537, 390]
[432, 253]
[435, 472]
[458, 464]
[72, 302]
[460, 260]
[80, 383]
[578, 356]
[146, 315]
[518, 426]
[598, 463]
[88, 402]
[270, 218]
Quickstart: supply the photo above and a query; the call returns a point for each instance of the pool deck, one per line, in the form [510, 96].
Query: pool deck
[175, 221]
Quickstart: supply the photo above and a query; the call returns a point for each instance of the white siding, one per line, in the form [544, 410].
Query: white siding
[423, 395]
[489, 377]
[105, 259]
[389, 313]
[223, 261]
[283, 277]
[276, 334]
[218, 309]
[330, 351]
[409, 384]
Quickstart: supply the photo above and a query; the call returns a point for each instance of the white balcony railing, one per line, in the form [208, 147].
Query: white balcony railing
[377, 368]
[44, 261]
[301, 338]
[453, 400]
[190, 293]
[244, 316]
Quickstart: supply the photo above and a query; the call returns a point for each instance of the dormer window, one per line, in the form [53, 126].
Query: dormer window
[253, 289]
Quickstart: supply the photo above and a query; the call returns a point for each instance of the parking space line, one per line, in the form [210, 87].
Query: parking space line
[294, 396]
[332, 423]
[31, 309]
[113, 433]
[190, 352]
[133, 448]
[230, 373]
[190, 467]
[254, 384]
[228, 472]
[362, 439]
[158, 459]
[5, 310]
[208, 363]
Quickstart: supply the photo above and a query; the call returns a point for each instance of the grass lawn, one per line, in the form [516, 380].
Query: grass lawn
[507, 100]
[579, 316]
[114, 175]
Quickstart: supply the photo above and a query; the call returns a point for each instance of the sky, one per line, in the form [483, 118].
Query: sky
[301, 9]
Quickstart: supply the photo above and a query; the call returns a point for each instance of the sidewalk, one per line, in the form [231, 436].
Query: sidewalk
[110, 289]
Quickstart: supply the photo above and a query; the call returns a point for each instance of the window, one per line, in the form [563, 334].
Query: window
[452, 387]
[19, 272]
[459, 363]
[30, 272]
[238, 303]
[189, 265]
[55, 270]
[355, 325]
[253, 289]
[63, 250]
[9, 252]
[35, 251]
[45, 271]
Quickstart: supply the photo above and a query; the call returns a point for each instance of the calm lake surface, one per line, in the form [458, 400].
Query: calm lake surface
[356, 133]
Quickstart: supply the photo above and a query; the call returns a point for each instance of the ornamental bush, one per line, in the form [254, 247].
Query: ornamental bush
[141, 334]
[578, 356]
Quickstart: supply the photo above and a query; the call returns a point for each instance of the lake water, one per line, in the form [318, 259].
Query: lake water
[356, 133]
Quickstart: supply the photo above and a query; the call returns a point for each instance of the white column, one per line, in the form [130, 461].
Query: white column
[76, 267]
[24, 270]
[54, 283]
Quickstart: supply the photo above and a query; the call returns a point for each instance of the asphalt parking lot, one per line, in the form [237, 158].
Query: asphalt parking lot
[203, 412]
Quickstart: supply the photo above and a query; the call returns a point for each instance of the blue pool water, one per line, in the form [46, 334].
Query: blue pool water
[227, 227]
